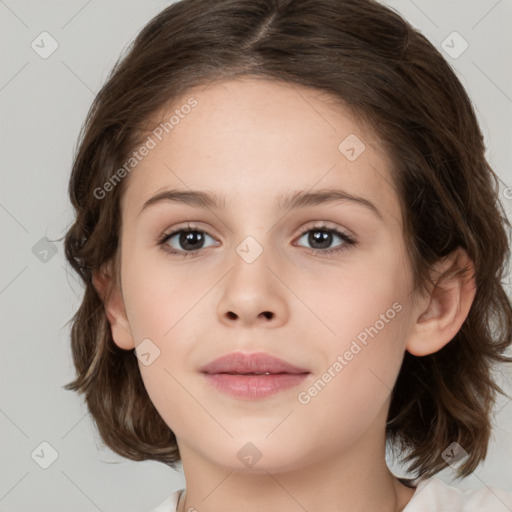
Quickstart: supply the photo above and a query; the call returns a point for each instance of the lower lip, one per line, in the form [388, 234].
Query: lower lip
[255, 386]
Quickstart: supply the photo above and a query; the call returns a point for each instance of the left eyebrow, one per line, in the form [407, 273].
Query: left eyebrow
[290, 201]
[301, 199]
[189, 197]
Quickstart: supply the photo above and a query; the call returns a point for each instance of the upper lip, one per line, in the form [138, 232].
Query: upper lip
[261, 362]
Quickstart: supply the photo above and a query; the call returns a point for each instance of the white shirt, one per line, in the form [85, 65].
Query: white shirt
[431, 495]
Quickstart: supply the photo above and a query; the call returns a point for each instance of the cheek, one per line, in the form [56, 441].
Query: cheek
[164, 307]
[362, 331]
[161, 299]
[368, 289]
[356, 383]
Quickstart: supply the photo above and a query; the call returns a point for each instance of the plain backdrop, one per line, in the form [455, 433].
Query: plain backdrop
[43, 103]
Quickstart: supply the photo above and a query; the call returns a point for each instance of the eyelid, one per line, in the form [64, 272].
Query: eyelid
[186, 226]
[189, 226]
[328, 225]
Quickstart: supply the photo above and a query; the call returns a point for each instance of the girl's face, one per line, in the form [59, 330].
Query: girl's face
[279, 266]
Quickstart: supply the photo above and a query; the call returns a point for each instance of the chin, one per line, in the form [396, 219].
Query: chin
[257, 456]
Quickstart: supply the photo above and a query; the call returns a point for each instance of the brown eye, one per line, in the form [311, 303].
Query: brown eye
[185, 240]
[321, 239]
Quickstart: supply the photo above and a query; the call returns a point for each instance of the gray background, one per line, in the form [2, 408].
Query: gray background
[43, 103]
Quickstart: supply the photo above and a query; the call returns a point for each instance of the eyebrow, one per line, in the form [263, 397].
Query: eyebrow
[290, 201]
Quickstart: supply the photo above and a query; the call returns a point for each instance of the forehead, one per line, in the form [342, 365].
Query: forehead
[251, 140]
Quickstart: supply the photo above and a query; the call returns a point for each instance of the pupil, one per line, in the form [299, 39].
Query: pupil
[187, 239]
[320, 237]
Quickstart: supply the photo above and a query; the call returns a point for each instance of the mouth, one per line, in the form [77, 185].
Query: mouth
[248, 373]
[240, 363]
[252, 376]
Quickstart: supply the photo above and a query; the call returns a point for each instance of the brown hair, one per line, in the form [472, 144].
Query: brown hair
[392, 77]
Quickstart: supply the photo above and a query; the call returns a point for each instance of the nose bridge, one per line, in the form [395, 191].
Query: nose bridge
[251, 248]
[252, 293]
[252, 238]
[250, 261]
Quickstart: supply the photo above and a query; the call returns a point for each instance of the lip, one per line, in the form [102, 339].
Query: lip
[259, 362]
[252, 376]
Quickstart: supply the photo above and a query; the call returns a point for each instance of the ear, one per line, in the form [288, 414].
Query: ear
[106, 285]
[441, 313]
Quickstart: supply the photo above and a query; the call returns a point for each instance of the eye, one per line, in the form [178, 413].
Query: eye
[321, 237]
[184, 241]
[190, 240]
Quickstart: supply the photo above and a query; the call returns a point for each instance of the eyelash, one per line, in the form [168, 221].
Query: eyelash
[348, 242]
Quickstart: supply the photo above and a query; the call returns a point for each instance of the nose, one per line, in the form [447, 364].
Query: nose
[253, 295]
[269, 315]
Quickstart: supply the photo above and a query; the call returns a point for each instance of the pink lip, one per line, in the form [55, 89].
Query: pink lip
[244, 375]
[260, 362]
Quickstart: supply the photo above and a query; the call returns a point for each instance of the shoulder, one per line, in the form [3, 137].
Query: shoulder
[170, 504]
[434, 494]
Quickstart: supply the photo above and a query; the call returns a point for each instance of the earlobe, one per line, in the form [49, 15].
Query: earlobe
[441, 314]
[110, 293]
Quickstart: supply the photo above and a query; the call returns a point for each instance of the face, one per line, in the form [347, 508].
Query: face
[299, 255]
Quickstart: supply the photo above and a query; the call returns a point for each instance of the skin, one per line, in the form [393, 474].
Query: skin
[253, 140]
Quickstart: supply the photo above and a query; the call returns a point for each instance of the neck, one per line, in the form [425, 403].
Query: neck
[348, 480]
